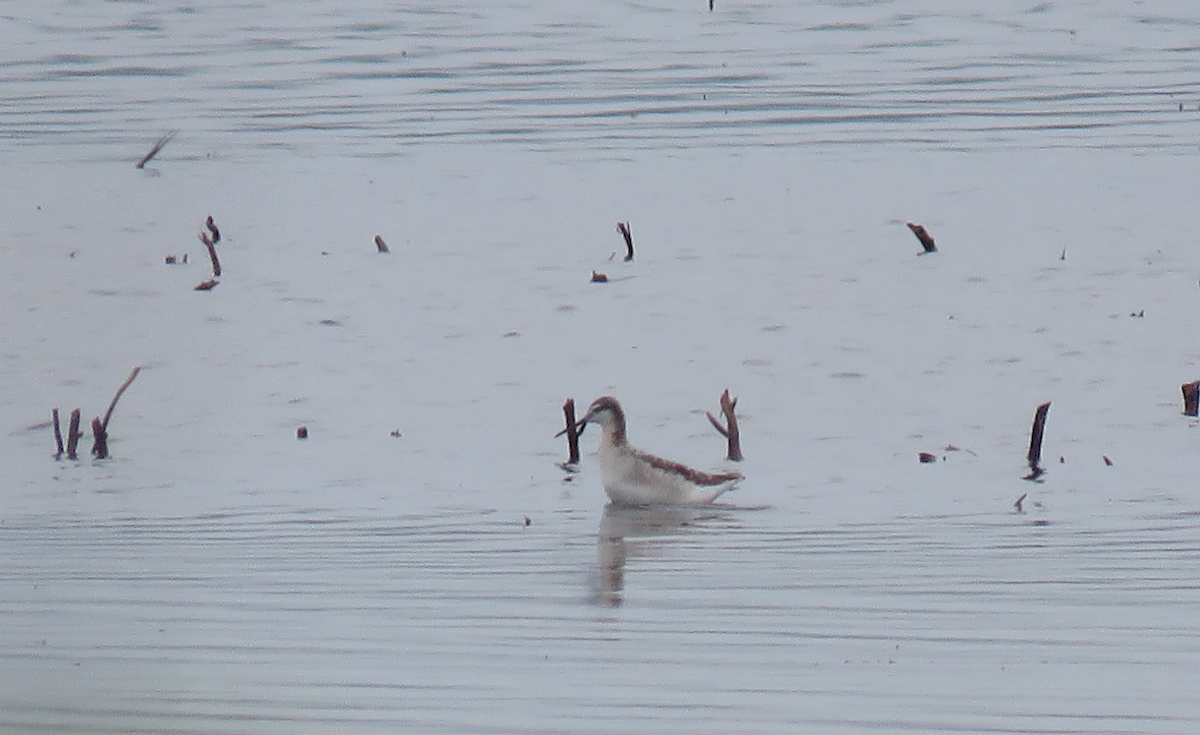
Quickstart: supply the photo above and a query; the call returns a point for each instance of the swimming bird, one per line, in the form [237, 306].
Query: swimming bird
[634, 477]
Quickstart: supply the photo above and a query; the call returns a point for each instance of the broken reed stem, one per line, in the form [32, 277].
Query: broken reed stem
[1035, 441]
[99, 439]
[623, 228]
[73, 436]
[58, 442]
[730, 429]
[108, 414]
[158, 146]
[1191, 398]
[924, 236]
[572, 432]
[99, 426]
[210, 243]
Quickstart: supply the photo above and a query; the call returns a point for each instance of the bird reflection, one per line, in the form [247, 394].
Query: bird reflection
[631, 531]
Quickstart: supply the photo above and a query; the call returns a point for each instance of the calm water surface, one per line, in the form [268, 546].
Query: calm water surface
[97, 80]
[271, 618]
[656, 620]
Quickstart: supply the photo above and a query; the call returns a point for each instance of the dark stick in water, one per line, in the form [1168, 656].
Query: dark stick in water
[1035, 442]
[58, 442]
[623, 228]
[73, 435]
[100, 427]
[1191, 398]
[108, 414]
[212, 227]
[572, 431]
[210, 243]
[158, 146]
[924, 236]
[730, 429]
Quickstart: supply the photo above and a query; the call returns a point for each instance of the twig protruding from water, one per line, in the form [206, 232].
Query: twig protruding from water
[1035, 442]
[99, 439]
[730, 429]
[924, 236]
[158, 146]
[1191, 398]
[120, 391]
[210, 241]
[73, 435]
[572, 432]
[58, 442]
[100, 428]
[623, 228]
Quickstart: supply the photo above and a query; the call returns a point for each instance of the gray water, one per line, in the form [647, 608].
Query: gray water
[99, 80]
[262, 616]
[673, 621]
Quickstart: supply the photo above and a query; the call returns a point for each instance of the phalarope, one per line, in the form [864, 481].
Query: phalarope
[633, 477]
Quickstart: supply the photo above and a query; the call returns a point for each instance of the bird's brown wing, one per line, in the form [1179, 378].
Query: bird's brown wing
[704, 479]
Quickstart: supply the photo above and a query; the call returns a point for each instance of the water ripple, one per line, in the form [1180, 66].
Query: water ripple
[326, 621]
[376, 80]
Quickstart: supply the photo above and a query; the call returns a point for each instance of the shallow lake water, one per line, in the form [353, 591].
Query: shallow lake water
[421, 563]
[597, 79]
[660, 620]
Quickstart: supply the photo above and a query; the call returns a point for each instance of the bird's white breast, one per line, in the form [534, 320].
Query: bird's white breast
[632, 480]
